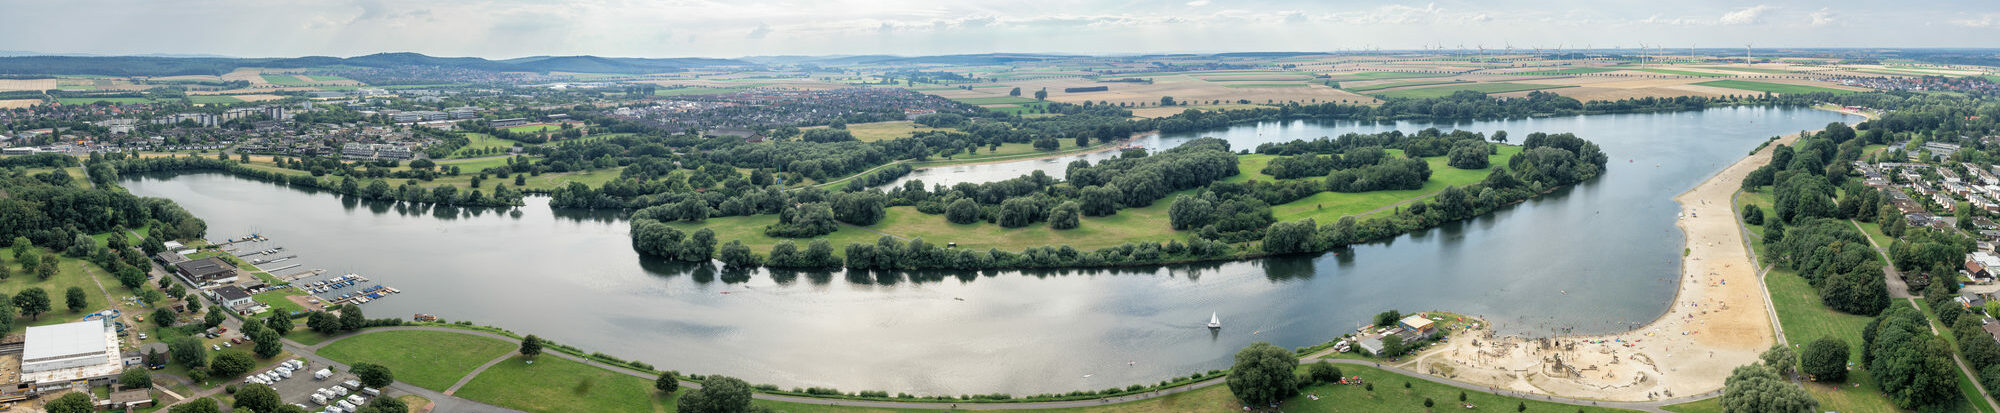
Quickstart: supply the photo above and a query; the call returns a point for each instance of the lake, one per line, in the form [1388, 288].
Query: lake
[572, 276]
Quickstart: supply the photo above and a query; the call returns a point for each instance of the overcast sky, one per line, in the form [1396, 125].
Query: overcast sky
[734, 28]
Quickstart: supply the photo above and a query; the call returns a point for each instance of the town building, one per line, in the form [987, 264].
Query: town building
[62, 356]
[205, 270]
[230, 296]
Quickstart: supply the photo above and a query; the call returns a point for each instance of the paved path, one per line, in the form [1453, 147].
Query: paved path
[1897, 288]
[475, 373]
[448, 403]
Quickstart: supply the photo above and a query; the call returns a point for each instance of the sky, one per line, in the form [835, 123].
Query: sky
[737, 28]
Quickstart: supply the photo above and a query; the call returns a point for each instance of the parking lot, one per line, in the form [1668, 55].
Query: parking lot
[300, 388]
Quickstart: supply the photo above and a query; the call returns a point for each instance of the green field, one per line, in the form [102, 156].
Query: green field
[1148, 223]
[70, 272]
[1244, 85]
[556, 384]
[477, 141]
[533, 128]
[328, 78]
[875, 131]
[90, 100]
[1768, 87]
[1384, 75]
[1403, 84]
[998, 100]
[1752, 70]
[429, 359]
[1680, 72]
[1447, 90]
[283, 79]
[704, 90]
[276, 299]
[212, 99]
[1567, 71]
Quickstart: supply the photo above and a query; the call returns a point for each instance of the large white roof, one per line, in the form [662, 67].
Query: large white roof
[63, 340]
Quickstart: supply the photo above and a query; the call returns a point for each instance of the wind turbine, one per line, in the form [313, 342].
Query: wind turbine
[1746, 54]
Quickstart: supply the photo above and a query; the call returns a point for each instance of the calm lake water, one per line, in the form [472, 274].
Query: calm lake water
[573, 277]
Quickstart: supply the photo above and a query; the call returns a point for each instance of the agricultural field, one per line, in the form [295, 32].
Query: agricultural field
[703, 90]
[1779, 88]
[1442, 91]
[90, 100]
[875, 131]
[282, 79]
[1566, 72]
[1403, 84]
[213, 99]
[1680, 72]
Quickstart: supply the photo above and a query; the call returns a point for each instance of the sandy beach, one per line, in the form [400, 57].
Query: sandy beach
[1719, 319]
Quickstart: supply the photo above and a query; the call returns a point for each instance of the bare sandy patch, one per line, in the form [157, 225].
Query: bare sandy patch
[18, 103]
[28, 84]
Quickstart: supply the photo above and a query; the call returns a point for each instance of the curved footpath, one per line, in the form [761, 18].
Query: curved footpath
[447, 403]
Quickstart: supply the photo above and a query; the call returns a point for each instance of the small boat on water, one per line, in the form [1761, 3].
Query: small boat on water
[1214, 322]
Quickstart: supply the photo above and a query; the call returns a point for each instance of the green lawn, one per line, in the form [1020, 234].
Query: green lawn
[327, 78]
[70, 272]
[555, 384]
[1752, 70]
[533, 128]
[1388, 396]
[478, 141]
[1021, 109]
[429, 359]
[276, 299]
[1768, 87]
[1403, 84]
[1447, 90]
[1328, 207]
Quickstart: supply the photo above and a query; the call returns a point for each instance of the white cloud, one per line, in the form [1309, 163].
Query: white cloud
[1983, 21]
[759, 32]
[1821, 17]
[1751, 15]
[1197, 3]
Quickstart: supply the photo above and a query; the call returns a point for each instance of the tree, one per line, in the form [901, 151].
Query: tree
[962, 211]
[384, 405]
[373, 375]
[1753, 215]
[1166, 101]
[135, 378]
[32, 302]
[201, 405]
[1521, 407]
[1263, 374]
[230, 364]
[351, 318]
[323, 322]
[279, 323]
[1757, 388]
[214, 318]
[268, 341]
[1774, 231]
[1825, 360]
[1781, 359]
[667, 383]
[1065, 215]
[531, 346]
[1388, 318]
[1042, 94]
[718, 394]
[189, 352]
[257, 397]
[1015, 92]
[163, 316]
[72, 402]
[75, 299]
[1325, 372]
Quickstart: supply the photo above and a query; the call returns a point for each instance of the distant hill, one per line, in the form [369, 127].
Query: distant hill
[964, 59]
[175, 66]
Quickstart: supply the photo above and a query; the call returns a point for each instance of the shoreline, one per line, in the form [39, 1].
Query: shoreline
[1738, 318]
